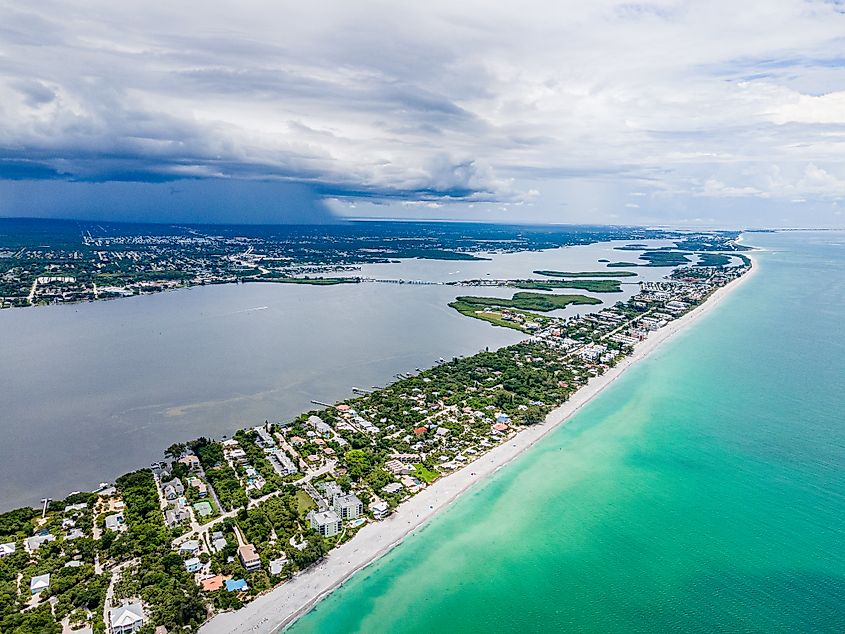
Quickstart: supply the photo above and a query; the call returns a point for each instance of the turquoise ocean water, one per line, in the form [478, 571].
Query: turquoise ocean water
[703, 492]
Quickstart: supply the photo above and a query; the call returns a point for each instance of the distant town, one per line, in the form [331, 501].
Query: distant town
[55, 261]
[221, 521]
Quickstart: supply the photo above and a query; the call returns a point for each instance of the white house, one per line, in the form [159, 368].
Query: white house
[115, 522]
[39, 583]
[277, 565]
[193, 564]
[189, 547]
[380, 510]
[126, 619]
[7, 549]
[34, 543]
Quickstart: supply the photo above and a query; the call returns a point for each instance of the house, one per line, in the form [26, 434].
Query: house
[173, 489]
[7, 549]
[397, 467]
[236, 585]
[193, 564]
[127, 618]
[218, 542]
[34, 543]
[348, 506]
[39, 583]
[393, 487]
[189, 547]
[380, 510]
[76, 533]
[277, 565]
[70, 508]
[283, 465]
[319, 426]
[249, 558]
[115, 523]
[264, 437]
[203, 509]
[173, 517]
[190, 461]
[327, 523]
[212, 584]
[238, 455]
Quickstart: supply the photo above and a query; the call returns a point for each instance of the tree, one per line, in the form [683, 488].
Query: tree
[175, 450]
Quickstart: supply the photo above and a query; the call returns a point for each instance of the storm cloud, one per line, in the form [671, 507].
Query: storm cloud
[559, 111]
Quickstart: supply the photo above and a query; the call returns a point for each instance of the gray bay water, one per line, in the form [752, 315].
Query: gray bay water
[90, 391]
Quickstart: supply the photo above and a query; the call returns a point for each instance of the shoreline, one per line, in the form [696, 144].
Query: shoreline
[282, 606]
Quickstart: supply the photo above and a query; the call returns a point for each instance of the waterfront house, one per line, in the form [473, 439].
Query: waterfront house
[39, 583]
[380, 510]
[319, 426]
[193, 564]
[327, 523]
[348, 506]
[190, 461]
[8, 548]
[236, 585]
[393, 487]
[277, 565]
[212, 584]
[127, 619]
[249, 558]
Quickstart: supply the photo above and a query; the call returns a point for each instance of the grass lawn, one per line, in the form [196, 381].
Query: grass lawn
[304, 502]
[425, 474]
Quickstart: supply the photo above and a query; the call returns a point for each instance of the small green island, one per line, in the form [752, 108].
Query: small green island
[314, 281]
[657, 258]
[594, 286]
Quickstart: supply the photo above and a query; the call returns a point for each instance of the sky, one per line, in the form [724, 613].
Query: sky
[710, 113]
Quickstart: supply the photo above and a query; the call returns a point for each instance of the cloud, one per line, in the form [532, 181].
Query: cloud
[478, 103]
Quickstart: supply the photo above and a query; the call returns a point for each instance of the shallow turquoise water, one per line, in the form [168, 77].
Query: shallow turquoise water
[704, 491]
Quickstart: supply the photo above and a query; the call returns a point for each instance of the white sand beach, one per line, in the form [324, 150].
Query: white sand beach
[283, 605]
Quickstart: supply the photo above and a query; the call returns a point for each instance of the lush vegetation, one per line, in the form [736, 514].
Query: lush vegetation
[713, 259]
[524, 301]
[657, 258]
[594, 286]
[219, 474]
[313, 281]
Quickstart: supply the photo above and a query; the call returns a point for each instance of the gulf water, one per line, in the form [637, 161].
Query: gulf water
[704, 491]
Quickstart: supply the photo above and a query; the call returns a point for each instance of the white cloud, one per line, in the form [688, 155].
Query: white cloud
[437, 101]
